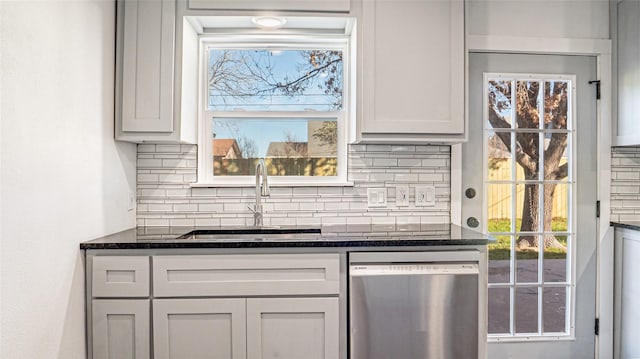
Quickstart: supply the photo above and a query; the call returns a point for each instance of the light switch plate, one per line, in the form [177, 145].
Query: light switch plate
[402, 196]
[377, 197]
[425, 196]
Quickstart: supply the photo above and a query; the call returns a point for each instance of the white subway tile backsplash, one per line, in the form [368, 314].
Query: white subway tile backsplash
[625, 183]
[166, 198]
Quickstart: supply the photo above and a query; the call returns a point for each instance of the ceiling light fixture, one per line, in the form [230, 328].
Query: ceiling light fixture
[269, 22]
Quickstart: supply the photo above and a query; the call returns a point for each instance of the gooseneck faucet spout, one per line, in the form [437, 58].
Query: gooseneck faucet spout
[262, 190]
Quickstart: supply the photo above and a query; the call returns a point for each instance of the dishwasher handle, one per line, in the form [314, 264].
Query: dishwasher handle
[386, 269]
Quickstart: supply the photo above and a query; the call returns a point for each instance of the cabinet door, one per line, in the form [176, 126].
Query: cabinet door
[120, 329]
[413, 67]
[292, 328]
[287, 5]
[147, 65]
[199, 328]
[628, 62]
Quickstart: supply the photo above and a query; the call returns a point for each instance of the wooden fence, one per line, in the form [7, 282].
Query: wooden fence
[499, 195]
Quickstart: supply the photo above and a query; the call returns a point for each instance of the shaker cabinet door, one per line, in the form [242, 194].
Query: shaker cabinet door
[292, 328]
[627, 41]
[199, 328]
[120, 329]
[413, 68]
[147, 68]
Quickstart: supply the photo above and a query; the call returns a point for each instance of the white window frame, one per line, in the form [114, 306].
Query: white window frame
[571, 224]
[281, 42]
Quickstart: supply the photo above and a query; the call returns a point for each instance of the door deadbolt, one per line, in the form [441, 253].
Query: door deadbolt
[470, 193]
[472, 222]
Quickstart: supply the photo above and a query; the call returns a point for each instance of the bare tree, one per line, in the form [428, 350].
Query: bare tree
[528, 147]
[241, 74]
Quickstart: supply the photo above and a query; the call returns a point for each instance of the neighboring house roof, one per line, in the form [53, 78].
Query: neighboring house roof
[226, 148]
[287, 149]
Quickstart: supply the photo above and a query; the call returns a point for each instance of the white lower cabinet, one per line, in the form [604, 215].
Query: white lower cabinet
[120, 329]
[231, 306]
[252, 328]
[199, 328]
[292, 328]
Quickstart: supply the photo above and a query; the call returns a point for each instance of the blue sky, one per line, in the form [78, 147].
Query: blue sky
[263, 131]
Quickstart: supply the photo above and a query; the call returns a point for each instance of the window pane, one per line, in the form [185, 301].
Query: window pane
[527, 261]
[527, 108]
[555, 309]
[499, 159]
[291, 147]
[500, 260]
[526, 307]
[275, 80]
[500, 109]
[555, 262]
[499, 202]
[556, 102]
[499, 310]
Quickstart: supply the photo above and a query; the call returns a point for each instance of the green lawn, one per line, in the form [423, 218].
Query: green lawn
[502, 249]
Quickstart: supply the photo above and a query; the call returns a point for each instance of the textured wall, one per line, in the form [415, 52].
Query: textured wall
[166, 198]
[625, 183]
[64, 179]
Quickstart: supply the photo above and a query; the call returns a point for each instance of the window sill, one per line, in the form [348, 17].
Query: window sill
[271, 184]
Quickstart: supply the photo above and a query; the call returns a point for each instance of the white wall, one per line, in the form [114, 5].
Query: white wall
[574, 19]
[64, 179]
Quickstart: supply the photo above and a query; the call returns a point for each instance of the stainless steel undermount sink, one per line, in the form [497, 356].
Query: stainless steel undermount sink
[251, 233]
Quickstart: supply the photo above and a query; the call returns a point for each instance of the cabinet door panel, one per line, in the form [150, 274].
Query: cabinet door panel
[413, 67]
[199, 329]
[120, 276]
[287, 5]
[292, 328]
[120, 329]
[628, 62]
[246, 274]
[148, 54]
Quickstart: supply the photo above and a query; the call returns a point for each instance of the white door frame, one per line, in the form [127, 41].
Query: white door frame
[604, 244]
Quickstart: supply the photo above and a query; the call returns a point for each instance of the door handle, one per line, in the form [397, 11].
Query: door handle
[473, 222]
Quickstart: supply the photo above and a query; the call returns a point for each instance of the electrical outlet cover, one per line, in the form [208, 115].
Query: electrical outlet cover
[402, 196]
[425, 196]
[377, 197]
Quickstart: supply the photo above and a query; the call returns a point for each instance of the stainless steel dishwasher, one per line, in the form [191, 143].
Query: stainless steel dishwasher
[413, 305]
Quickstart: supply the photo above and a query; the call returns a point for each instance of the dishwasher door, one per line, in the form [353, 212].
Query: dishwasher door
[414, 310]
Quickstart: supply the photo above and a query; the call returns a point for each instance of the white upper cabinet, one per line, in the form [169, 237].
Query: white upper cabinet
[274, 5]
[626, 28]
[148, 87]
[413, 71]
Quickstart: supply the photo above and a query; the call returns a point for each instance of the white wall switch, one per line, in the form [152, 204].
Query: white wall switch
[131, 201]
[377, 197]
[402, 196]
[425, 196]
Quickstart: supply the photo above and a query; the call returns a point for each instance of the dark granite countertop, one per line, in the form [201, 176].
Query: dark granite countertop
[227, 237]
[635, 225]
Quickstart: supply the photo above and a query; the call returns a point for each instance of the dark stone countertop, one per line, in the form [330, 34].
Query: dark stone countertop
[228, 237]
[635, 225]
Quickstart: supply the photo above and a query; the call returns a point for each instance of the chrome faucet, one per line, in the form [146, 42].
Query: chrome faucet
[262, 189]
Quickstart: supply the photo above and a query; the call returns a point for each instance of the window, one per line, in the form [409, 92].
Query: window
[281, 97]
[529, 184]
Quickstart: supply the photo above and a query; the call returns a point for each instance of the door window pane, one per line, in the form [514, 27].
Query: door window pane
[526, 310]
[555, 309]
[499, 312]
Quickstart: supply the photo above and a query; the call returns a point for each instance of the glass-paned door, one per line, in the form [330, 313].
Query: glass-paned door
[528, 141]
[531, 157]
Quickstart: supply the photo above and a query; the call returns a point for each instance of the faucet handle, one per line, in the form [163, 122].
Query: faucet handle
[251, 209]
